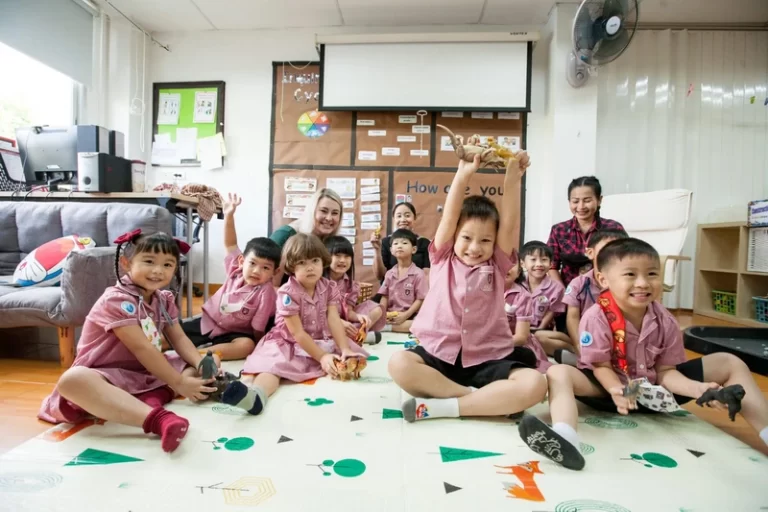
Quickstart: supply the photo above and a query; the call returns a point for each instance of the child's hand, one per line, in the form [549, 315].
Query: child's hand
[328, 363]
[194, 388]
[376, 240]
[520, 163]
[231, 204]
[347, 353]
[703, 387]
[365, 321]
[623, 404]
[349, 329]
[398, 320]
[469, 168]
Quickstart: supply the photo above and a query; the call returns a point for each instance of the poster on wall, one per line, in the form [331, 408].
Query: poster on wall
[168, 110]
[205, 107]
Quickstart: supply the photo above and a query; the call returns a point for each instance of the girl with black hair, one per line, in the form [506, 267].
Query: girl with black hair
[120, 373]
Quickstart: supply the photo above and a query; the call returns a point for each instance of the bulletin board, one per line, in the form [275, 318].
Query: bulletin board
[284, 200]
[404, 150]
[210, 122]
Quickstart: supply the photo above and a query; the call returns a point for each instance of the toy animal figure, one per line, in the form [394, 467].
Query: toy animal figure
[207, 366]
[632, 389]
[222, 381]
[350, 368]
[361, 334]
[489, 156]
[730, 396]
[391, 315]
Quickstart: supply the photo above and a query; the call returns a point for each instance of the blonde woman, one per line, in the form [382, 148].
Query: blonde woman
[322, 218]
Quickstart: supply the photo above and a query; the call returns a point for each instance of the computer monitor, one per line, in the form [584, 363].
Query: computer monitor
[48, 154]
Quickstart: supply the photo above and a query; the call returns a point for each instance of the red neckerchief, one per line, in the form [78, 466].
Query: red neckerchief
[616, 320]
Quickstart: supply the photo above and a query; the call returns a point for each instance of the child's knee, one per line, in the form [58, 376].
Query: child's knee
[530, 383]
[559, 373]
[73, 379]
[730, 361]
[399, 363]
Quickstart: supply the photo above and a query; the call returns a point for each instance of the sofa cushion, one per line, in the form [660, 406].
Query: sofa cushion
[30, 306]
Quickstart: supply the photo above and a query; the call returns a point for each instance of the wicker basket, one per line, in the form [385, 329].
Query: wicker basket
[366, 292]
[724, 302]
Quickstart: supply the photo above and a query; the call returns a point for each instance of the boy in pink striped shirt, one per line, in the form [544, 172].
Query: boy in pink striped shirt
[466, 363]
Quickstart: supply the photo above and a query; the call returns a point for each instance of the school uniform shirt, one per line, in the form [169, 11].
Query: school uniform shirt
[350, 294]
[547, 297]
[659, 342]
[402, 292]
[464, 309]
[257, 304]
[582, 292]
[101, 350]
[279, 353]
[518, 306]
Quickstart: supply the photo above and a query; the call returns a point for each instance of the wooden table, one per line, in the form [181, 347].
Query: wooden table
[174, 203]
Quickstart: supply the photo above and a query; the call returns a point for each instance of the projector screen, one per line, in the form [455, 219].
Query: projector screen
[493, 76]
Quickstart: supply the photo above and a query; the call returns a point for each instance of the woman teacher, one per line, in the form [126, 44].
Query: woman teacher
[403, 217]
[321, 217]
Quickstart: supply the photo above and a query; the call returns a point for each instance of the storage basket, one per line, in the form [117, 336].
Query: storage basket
[757, 251]
[724, 302]
[761, 309]
[366, 292]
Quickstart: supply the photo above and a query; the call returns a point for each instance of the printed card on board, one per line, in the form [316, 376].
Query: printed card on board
[296, 184]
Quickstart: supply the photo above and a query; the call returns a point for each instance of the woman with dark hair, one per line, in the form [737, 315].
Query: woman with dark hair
[403, 217]
[568, 239]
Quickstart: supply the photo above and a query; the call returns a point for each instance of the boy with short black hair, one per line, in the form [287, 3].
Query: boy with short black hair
[405, 285]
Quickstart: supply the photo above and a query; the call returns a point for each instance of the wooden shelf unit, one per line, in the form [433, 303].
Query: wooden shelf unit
[721, 264]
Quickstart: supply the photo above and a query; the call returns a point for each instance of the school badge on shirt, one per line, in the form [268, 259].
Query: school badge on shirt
[128, 307]
[287, 300]
[586, 339]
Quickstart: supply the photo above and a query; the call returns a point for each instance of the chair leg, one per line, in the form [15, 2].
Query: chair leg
[66, 346]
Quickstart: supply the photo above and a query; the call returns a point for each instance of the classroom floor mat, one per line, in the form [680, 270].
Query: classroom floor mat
[330, 445]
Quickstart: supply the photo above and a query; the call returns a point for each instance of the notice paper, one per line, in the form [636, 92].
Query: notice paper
[406, 138]
[366, 155]
[348, 205]
[390, 151]
[370, 226]
[377, 133]
[348, 215]
[168, 109]
[351, 239]
[345, 187]
[366, 122]
[406, 119]
[295, 184]
[370, 198]
[367, 262]
[372, 207]
[298, 199]
[482, 115]
[347, 231]
[452, 114]
[509, 115]
[372, 217]
[369, 182]
[205, 107]
[293, 212]
[348, 223]
[369, 253]
[367, 244]
[209, 153]
[186, 143]
[369, 190]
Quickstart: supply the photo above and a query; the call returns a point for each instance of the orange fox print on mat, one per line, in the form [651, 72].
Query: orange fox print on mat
[525, 474]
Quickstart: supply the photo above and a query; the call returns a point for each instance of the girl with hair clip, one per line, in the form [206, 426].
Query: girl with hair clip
[120, 373]
[321, 217]
[342, 271]
[518, 306]
[308, 338]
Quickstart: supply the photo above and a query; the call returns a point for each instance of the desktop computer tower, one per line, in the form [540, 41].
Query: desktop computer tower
[100, 172]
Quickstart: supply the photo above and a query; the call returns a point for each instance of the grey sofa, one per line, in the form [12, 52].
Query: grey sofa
[27, 225]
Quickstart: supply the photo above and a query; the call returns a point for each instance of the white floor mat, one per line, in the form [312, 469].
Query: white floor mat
[344, 446]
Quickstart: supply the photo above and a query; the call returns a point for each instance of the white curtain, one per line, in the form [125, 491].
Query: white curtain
[687, 109]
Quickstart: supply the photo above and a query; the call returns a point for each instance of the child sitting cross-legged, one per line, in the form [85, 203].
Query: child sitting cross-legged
[308, 337]
[583, 291]
[235, 317]
[467, 363]
[519, 309]
[405, 285]
[367, 315]
[628, 335]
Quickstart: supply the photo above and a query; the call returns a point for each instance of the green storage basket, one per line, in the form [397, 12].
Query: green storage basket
[724, 302]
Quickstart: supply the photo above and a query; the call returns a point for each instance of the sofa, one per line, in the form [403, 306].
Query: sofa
[26, 225]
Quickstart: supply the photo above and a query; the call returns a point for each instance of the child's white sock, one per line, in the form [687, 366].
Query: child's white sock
[386, 328]
[764, 435]
[567, 432]
[428, 408]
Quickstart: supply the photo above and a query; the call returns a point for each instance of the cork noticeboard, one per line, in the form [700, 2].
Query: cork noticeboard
[302, 135]
[394, 139]
[429, 190]
[468, 126]
[280, 198]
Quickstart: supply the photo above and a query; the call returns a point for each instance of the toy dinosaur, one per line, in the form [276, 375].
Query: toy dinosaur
[207, 366]
[730, 396]
[489, 156]
[377, 231]
[222, 381]
[391, 315]
[350, 368]
[361, 334]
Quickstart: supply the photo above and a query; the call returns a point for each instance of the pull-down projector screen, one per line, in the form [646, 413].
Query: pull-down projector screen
[493, 76]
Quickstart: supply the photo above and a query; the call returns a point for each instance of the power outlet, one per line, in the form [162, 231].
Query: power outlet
[175, 176]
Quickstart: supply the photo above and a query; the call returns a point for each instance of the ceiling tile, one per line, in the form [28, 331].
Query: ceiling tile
[161, 15]
[410, 12]
[253, 14]
[517, 12]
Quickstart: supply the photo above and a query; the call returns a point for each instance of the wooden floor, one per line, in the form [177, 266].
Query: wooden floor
[24, 384]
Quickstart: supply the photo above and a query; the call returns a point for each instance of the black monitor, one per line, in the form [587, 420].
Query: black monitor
[48, 154]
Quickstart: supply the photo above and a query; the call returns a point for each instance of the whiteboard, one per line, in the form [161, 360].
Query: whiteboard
[431, 76]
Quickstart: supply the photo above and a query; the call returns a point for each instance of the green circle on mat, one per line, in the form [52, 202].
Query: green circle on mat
[372, 358]
[586, 449]
[349, 468]
[659, 459]
[222, 440]
[228, 409]
[611, 422]
[328, 462]
[589, 506]
[239, 444]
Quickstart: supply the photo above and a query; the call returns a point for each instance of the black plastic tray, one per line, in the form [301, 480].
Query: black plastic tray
[748, 343]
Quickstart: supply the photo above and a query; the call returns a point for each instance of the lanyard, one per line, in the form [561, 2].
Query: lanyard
[616, 320]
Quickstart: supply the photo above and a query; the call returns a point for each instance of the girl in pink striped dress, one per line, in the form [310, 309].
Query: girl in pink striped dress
[519, 309]
[308, 337]
[342, 272]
